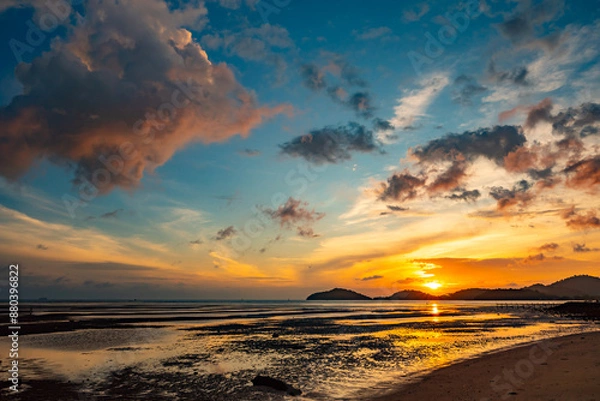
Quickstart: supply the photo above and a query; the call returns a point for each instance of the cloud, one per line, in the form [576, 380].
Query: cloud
[414, 103]
[457, 152]
[533, 259]
[313, 77]
[225, 233]
[576, 221]
[306, 232]
[516, 76]
[249, 152]
[467, 196]
[42, 247]
[449, 179]
[583, 248]
[491, 143]
[382, 125]
[584, 174]
[360, 102]
[549, 247]
[197, 242]
[127, 88]
[382, 32]
[574, 121]
[521, 28]
[370, 278]
[400, 187]
[111, 215]
[295, 214]
[96, 284]
[466, 88]
[518, 195]
[395, 208]
[415, 13]
[263, 43]
[331, 144]
[409, 280]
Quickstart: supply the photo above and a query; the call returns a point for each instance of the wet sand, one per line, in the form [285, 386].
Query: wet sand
[560, 369]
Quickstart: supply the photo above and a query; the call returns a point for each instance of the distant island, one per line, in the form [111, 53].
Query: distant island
[575, 287]
[338, 294]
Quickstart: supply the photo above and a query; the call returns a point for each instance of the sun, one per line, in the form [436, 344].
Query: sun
[434, 285]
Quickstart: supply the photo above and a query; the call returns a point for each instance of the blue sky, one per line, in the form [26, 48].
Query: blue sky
[277, 182]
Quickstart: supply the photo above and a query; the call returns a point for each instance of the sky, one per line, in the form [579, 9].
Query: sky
[245, 149]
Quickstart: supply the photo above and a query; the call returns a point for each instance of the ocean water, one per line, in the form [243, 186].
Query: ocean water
[329, 350]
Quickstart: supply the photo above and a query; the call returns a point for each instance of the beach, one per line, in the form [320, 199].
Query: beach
[355, 351]
[561, 369]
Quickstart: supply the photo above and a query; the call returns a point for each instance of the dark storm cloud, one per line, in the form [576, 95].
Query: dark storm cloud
[225, 233]
[506, 198]
[331, 144]
[516, 76]
[401, 187]
[295, 214]
[491, 143]
[127, 88]
[467, 196]
[465, 88]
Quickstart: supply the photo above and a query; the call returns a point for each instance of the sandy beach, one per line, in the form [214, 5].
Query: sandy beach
[560, 369]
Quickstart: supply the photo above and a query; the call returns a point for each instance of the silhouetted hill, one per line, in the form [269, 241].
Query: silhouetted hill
[337, 294]
[581, 287]
[575, 287]
[411, 294]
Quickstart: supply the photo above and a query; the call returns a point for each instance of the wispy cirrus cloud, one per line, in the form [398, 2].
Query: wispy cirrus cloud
[414, 103]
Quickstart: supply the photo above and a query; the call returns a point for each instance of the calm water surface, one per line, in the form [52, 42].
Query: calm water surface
[330, 350]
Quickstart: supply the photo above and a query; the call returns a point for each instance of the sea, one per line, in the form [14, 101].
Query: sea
[328, 350]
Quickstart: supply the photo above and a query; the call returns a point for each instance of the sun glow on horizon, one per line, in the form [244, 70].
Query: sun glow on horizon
[433, 285]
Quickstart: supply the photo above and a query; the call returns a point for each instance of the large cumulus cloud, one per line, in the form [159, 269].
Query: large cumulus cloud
[131, 82]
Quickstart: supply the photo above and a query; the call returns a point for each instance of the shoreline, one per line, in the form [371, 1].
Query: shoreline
[558, 368]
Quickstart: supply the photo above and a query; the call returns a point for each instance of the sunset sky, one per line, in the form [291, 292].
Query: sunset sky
[228, 149]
